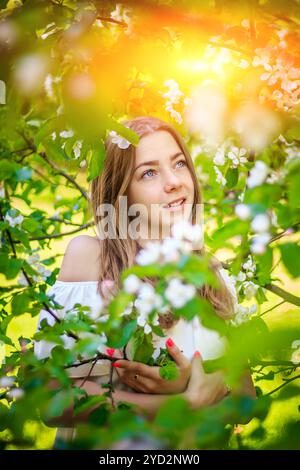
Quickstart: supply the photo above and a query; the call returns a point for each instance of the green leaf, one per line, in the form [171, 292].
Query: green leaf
[290, 253]
[55, 152]
[169, 371]
[265, 195]
[260, 296]
[174, 415]
[118, 304]
[7, 169]
[264, 266]
[232, 176]
[88, 402]
[58, 403]
[6, 340]
[229, 230]
[99, 416]
[9, 266]
[31, 225]
[20, 303]
[97, 160]
[124, 131]
[47, 128]
[118, 338]
[144, 350]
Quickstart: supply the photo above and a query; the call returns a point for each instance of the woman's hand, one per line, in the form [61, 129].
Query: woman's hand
[204, 389]
[148, 377]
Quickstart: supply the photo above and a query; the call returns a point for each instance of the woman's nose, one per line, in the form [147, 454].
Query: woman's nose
[171, 182]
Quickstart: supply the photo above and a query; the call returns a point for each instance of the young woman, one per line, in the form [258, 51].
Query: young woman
[159, 172]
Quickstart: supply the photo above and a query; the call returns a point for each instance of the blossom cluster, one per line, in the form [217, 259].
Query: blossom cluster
[176, 293]
[43, 273]
[173, 97]
[281, 75]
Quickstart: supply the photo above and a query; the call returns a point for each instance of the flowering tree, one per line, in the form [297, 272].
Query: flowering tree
[229, 80]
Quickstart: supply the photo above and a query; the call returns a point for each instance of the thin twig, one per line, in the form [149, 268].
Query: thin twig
[292, 299]
[63, 173]
[287, 381]
[272, 308]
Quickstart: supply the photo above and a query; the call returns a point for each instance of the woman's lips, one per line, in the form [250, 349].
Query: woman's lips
[178, 206]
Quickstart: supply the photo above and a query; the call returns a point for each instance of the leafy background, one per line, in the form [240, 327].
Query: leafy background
[70, 72]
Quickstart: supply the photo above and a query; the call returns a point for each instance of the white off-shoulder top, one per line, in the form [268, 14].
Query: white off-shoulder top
[188, 336]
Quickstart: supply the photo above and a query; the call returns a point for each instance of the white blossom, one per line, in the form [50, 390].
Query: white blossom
[156, 353]
[82, 164]
[243, 314]
[132, 284]
[243, 211]
[244, 64]
[128, 309]
[121, 142]
[7, 382]
[219, 158]
[220, 178]
[22, 280]
[150, 254]
[14, 220]
[250, 289]
[241, 276]
[260, 223]
[16, 393]
[258, 174]
[178, 294]
[174, 114]
[249, 265]
[236, 155]
[48, 85]
[2, 192]
[77, 148]
[173, 96]
[184, 230]
[66, 134]
[147, 300]
[170, 249]
[259, 243]
[32, 259]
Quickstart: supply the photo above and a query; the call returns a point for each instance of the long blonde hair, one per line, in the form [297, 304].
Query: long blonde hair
[119, 254]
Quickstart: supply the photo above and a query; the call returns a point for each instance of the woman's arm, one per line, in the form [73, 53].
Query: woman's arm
[147, 404]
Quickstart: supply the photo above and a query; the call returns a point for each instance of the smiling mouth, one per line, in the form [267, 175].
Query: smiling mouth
[178, 203]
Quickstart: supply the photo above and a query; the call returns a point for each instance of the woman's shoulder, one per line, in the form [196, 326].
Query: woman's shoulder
[81, 260]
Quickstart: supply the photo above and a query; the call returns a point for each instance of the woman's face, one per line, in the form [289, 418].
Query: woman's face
[161, 177]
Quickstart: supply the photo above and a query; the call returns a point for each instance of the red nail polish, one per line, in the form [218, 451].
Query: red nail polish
[197, 354]
[170, 342]
[110, 351]
[116, 364]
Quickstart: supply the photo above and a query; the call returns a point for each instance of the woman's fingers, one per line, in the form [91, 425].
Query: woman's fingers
[132, 367]
[177, 355]
[197, 372]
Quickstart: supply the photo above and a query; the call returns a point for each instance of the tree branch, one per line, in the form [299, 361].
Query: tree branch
[287, 381]
[43, 155]
[292, 299]
[63, 173]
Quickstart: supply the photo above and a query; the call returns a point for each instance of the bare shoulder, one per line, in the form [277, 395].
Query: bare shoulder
[81, 260]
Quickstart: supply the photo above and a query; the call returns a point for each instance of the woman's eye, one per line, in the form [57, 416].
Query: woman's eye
[147, 173]
[181, 161]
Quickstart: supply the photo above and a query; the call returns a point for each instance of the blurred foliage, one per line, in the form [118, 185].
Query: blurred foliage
[70, 72]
